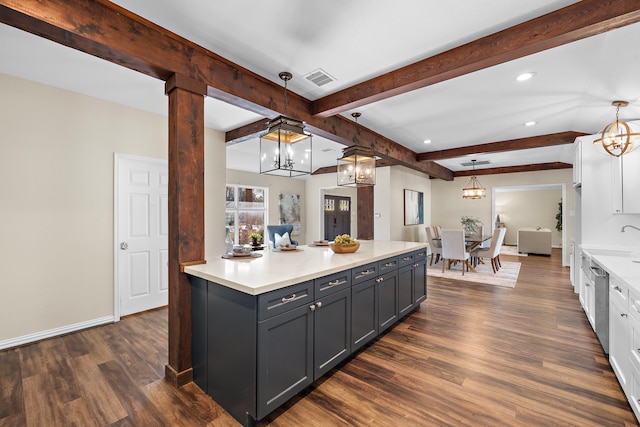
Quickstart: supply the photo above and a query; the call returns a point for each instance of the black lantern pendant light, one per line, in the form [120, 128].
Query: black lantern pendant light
[474, 190]
[285, 149]
[357, 166]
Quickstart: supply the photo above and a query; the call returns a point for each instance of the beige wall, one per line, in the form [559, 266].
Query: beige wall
[403, 178]
[447, 204]
[277, 185]
[56, 202]
[529, 208]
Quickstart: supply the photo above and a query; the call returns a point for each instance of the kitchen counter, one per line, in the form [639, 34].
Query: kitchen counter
[618, 263]
[275, 270]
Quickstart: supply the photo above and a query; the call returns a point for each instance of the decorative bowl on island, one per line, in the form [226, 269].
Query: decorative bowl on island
[344, 244]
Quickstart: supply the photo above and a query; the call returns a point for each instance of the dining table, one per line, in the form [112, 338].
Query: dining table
[471, 241]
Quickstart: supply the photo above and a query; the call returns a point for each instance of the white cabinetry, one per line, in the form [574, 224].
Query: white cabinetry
[619, 335]
[625, 183]
[577, 163]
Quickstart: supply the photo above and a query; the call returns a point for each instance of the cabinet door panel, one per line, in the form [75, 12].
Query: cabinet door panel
[285, 357]
[332, 331]
[420, 282]
[619, 341]
[387, 300]
[364, 314]
[405, 290]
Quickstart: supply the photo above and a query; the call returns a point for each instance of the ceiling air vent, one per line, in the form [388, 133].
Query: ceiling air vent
[477, 163]
[319, 77]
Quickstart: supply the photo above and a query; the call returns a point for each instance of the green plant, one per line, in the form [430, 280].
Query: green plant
[469, 224]
[255, 236]
[559, 217]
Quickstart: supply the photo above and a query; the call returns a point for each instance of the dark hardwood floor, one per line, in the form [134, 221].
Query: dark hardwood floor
[473, 355]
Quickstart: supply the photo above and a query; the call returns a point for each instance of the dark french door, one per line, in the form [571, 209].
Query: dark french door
[337, 216]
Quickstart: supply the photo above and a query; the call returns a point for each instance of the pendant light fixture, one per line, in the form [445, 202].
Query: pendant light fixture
[357, 166]
[474, 190]
[616, 138]
[285, 150]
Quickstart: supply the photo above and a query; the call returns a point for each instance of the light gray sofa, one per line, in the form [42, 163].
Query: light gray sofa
[534, 241]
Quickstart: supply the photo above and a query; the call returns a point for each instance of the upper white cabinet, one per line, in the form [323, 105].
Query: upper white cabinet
[577, 163]
[625, 182]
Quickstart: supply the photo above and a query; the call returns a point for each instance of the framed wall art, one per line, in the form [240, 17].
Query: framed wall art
[413, 207]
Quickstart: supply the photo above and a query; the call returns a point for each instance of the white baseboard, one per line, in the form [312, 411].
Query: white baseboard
[26, 339]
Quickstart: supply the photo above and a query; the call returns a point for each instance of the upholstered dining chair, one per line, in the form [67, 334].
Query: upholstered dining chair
[493, 251]
[434, 245]
[280, 229]
[453, 248]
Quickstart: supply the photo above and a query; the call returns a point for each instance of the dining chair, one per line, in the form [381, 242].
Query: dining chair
[493, 251]
[434, 245]
[453, 248]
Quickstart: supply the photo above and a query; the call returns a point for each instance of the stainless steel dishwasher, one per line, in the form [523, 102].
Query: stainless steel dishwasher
[600, 279]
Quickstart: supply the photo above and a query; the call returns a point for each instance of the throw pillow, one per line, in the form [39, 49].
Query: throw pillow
[283, 240]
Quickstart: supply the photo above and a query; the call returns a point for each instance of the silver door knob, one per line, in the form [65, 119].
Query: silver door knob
[124, 246]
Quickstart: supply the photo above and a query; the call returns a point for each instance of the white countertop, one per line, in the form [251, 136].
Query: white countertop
[618, 262]
[275, 270]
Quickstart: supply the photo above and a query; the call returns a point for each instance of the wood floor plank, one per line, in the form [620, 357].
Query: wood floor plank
[472, 355]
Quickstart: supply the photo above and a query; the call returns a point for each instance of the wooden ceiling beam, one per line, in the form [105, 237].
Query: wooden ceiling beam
[508, 145]
[514, 169]
[106, 30]
[583, 19]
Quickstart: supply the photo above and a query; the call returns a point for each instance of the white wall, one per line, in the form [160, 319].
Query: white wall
[382, 219]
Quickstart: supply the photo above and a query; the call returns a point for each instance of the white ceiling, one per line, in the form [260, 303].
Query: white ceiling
[359, 39]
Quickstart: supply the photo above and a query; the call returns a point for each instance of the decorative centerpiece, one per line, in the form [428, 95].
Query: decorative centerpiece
[255, 238]
[469, 224]
[344, 244]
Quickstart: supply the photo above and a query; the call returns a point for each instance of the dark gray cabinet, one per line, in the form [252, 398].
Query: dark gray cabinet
[252, 353]
[387, 285]
[364, 313]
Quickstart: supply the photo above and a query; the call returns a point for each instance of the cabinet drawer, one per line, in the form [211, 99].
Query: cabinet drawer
[332, 283]
[634, 345]
[388, 264]
[277, 302]
[363, 273]
[420, 254]
[618, 291]
[406, 259]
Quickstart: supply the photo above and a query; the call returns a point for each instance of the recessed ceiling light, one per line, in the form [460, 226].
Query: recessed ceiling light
[427, 141]
[530, 123]
[525, 76]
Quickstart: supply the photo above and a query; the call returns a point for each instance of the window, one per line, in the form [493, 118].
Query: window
[246, 212]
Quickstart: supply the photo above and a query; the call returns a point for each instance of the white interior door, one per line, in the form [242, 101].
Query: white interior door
[142, 230]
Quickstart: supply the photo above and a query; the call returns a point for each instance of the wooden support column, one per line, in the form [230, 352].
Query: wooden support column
[186, 215]
[365, 213]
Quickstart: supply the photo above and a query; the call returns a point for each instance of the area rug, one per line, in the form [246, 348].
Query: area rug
[505, 277]
[511, 250]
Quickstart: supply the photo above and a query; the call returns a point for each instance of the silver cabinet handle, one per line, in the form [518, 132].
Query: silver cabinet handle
[407, 258]
[618, 288]
[390, 264]
[415, 265]
[312, 307]
[319, 304]
[337, 282]
[288, 299]
[623, 314]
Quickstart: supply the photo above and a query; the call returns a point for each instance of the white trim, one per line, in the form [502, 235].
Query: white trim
[116, 163]
[26, 339]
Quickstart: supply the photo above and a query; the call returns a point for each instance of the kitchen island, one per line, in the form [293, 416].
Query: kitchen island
[264, 328]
